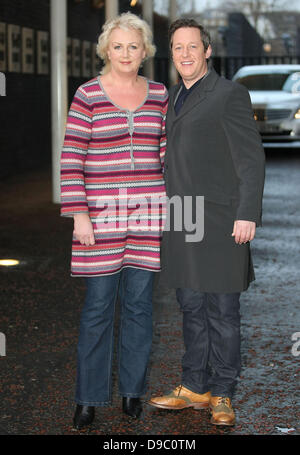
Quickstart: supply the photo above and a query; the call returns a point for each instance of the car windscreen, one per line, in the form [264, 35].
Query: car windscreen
[274, 81]
[292, 84]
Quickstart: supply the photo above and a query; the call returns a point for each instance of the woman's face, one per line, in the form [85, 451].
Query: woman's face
[126, 50]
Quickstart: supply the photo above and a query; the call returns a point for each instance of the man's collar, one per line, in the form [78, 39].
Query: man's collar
[195, 84]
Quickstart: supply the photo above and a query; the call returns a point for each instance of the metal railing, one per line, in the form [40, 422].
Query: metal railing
[226, 66]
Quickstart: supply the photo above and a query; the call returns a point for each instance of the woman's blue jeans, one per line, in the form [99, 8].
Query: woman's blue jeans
[95, 344]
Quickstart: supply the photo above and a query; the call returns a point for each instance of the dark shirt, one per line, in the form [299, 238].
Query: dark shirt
[184, 93]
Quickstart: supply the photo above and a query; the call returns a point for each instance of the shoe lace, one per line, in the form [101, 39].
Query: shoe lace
[178, 390]
[224, 400]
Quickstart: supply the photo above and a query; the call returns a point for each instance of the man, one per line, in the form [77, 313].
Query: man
[213, 150]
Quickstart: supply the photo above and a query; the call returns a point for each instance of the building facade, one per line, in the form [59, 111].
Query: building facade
[25, 68]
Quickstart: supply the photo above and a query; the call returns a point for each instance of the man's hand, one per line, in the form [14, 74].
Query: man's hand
[83, 229]
[243, 231]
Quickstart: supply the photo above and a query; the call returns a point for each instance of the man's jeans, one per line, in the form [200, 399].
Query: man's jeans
[95, 345]
[211, 331]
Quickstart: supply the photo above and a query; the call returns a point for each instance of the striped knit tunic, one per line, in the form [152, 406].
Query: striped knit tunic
[112, 169]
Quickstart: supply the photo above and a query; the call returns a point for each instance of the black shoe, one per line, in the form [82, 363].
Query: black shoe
[84, 415]
[132, 406]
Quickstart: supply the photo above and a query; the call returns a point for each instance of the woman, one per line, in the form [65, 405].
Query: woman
[111, 172]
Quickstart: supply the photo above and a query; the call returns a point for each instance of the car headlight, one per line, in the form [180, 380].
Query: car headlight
[297, 114]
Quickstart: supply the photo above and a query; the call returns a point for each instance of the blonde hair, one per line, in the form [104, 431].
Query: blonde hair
[125, 21]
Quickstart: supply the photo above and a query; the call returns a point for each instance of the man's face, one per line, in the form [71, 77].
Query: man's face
[188, 54]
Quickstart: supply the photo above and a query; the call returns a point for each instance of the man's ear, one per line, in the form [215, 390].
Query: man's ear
[208, 52]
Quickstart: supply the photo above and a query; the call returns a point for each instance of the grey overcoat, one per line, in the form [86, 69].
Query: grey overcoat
[213, 150]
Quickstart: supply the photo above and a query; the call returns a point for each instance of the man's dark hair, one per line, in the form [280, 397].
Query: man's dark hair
[184, 23]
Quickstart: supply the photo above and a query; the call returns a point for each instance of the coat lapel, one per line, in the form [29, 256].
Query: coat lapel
[195, 98]
[173, 95]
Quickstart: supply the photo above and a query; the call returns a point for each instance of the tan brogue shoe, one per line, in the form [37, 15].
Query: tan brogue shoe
[222, 412]
[181, 398]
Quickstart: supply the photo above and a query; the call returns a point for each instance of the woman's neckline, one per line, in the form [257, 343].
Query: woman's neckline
[120, 107]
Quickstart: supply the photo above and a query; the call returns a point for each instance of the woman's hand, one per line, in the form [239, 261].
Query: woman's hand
[83, 229]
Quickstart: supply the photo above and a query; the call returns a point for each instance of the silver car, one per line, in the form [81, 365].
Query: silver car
[275, 97]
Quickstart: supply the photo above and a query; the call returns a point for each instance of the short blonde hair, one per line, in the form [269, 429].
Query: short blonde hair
[125, 21]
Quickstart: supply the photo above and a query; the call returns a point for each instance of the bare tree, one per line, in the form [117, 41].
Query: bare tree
[253, 9]
[182, 7]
